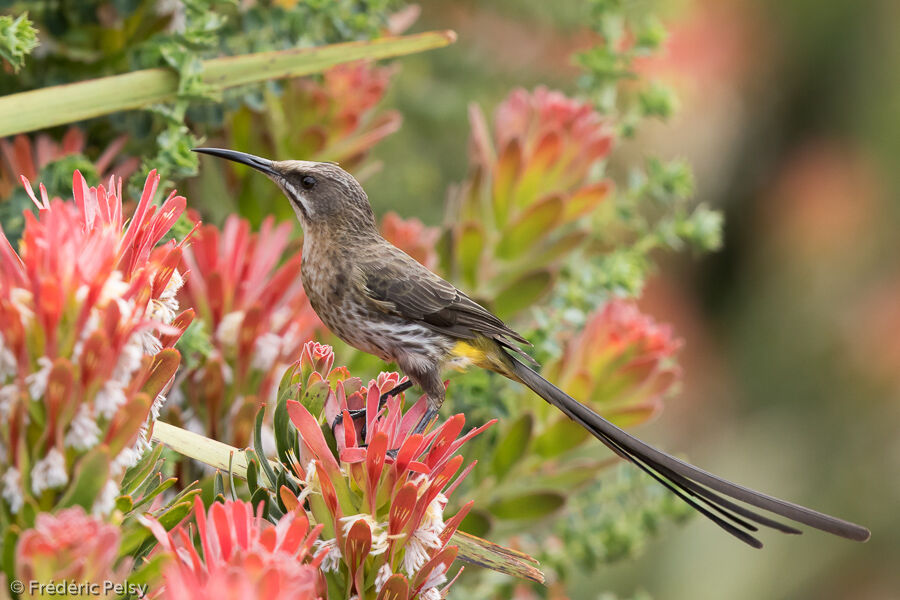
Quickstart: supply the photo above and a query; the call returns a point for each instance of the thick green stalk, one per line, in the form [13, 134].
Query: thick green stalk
[61, 104]
[472, 550]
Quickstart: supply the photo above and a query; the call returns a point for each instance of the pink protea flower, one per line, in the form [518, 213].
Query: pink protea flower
[70, 546]
[257, 316]
[87, 312]
[383, 512]
[622, 362]
[411, 236]
[533, 180]
[544, 145]
[241, 556]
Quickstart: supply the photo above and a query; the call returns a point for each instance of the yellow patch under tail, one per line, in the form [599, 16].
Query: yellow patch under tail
[482, 352]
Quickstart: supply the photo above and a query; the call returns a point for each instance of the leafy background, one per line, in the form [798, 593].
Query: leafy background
[788, 115]
[790, 118]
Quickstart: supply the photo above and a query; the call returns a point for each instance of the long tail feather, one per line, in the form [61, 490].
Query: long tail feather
[693, 485]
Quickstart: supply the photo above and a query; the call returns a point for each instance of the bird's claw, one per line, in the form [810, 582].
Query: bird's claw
[354, 414]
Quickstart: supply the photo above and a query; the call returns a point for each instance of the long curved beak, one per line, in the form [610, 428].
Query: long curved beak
[260, 164]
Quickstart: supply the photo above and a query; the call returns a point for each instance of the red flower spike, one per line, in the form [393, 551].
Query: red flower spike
[409, 450]
[330, 496]
[457, 444]
[375, 457]
[623, 360]
[357, 544]
[449, 491]
[445, 436]
[309, 430]
[453, 523]
[401, 509]
[395, 588]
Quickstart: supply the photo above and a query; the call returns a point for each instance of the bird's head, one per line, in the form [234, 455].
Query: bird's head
[323, 195]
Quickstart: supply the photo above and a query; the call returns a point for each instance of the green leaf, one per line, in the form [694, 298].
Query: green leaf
[176, 514]
[522, 293]
[252, 475]
[477, 522]
[513, 445]
[509, 163]
[314, 398]
[574, 474]
[531, 225]
[586, 200]
[156, 491]
[529, 506]
[149, 571]
[560, 437]
[124, 504]
[219, 487]
[285, 434]
[261, 496]
[165, 363]
[469, 249]
[138, 474]
[558, 248]
[91, 475]
[57, 105]
[257, 448]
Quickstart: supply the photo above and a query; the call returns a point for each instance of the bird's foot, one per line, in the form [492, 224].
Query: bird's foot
[354, 414]
[361, 412]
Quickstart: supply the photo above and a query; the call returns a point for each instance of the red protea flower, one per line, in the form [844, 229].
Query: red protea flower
[622, 362]
[241, 555]
[411, 236]
[25, 157]
[257, 316]
[382, 512]
[70, 546]
[87, 311]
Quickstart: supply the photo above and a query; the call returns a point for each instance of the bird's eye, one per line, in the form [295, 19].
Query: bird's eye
[308, 182]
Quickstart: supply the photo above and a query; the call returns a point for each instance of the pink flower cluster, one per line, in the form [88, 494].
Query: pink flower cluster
[88, 313]
[381, 498]
[240, 556]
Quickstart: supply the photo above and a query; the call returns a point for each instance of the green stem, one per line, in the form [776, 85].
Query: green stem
[61, 104]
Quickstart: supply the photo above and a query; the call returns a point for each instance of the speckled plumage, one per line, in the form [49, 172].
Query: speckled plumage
[378, 299]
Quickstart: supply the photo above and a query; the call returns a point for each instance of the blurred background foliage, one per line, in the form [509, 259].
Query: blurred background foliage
[783, 116]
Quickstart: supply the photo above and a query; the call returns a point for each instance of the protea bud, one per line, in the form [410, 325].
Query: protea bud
[622, 363]
[70, 546]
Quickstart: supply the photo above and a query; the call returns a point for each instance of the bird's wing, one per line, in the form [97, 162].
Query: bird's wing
[399, 285]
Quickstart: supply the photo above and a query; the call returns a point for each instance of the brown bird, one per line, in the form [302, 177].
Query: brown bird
[378, 299]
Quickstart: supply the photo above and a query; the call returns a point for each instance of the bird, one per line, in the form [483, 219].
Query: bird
[381, 301]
